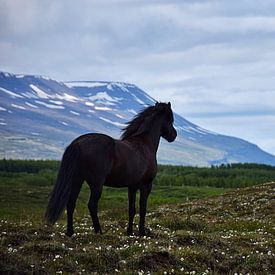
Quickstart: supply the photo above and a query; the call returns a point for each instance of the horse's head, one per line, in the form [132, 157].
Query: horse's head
[167, 130]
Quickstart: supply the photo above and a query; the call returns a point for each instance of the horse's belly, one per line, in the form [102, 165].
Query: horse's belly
[120, 181]
[116, 184]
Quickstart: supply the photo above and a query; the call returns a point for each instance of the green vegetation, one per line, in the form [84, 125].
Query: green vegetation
[197, 224]
[26, 184]
[224, 176]
[21, 192]
[28, 166]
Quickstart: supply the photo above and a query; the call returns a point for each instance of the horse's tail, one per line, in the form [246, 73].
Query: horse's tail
[62, 188]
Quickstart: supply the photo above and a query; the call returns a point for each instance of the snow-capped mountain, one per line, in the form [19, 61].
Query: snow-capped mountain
[39, 117]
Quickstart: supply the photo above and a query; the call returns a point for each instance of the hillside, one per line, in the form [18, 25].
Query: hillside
[40, 116]
[221, 235]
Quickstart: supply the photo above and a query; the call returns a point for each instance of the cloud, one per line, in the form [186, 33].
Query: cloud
[214, 60]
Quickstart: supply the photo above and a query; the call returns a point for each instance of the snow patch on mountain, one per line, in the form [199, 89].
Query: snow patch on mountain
[20, 76]
[40, 93]
[132, 111]
[31, 105]
[88, 103]
[12, 94]
[18, 106]
[68, 97]
[112, 122]
[29, 95]
[103, 97]
[87, 84]
[103, 108]
[110, 87]
[123, 87]
[56, 102]
[74, 113]
[139, 100]
[120, 116]
[50, 106]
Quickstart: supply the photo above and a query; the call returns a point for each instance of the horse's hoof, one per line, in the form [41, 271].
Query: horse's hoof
[98, 231]
[129, 232]
[142, 233]
[69, 233]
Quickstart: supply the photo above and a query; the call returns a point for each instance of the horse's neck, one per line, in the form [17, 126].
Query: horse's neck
[152, 138]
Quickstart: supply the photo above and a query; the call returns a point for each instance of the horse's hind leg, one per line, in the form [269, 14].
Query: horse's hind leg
[76, 186]
[96, 190]
[132, 209]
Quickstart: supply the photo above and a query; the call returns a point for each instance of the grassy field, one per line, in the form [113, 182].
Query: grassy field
[192, 230]
[24, 196]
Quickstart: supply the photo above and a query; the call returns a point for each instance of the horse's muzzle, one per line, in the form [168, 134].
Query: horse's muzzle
[173, 136]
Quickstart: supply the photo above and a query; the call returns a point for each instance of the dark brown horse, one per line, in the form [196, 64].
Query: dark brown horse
[101, 160]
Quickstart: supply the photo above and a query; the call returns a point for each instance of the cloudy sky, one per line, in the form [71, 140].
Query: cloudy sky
[214, 60]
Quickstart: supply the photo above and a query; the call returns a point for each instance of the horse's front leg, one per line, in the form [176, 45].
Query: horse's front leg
[145, 190]
[132, 209]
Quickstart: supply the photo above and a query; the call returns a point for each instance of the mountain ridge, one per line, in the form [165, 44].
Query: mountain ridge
[39, 117]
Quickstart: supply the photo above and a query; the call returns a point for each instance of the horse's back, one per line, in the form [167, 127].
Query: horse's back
[93, 137]
[96, 154]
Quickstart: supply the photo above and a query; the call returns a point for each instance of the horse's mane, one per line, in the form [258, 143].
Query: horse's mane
[142, 121]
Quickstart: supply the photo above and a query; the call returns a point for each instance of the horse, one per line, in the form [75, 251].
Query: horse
[101, 160]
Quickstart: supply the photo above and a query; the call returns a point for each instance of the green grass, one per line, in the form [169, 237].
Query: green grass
[190, 229]
[19, 194]
[225, 234]
[223, 176]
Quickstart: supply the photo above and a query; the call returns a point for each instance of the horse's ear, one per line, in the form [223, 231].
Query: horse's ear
[169, 104]
[157, 103]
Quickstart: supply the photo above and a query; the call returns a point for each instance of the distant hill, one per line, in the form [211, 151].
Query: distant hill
[39, 117]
